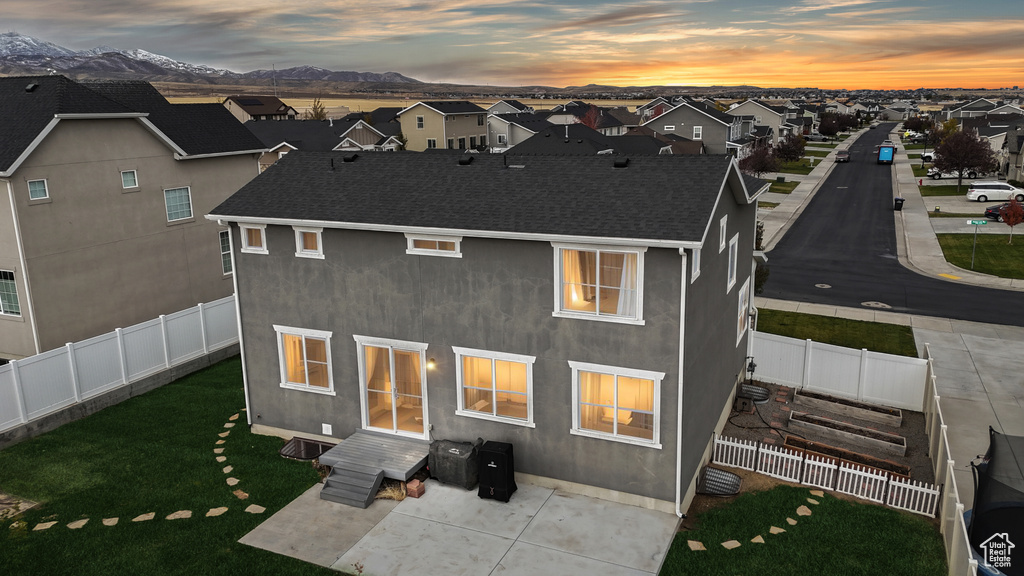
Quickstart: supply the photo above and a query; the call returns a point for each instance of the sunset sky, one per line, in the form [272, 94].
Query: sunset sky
[769, 43]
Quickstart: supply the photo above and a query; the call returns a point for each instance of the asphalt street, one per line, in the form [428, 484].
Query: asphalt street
[842, 251]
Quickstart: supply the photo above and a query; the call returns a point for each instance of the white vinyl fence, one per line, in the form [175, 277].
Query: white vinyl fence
[895, 381]
[45, 383]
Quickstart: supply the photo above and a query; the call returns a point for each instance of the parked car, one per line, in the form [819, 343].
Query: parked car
[993, 212]
[919, 138]
[815, 137]
[843, 156]
[935, 174]
[983, 191]
[929, 156]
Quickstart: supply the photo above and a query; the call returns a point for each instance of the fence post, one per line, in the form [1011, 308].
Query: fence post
[807, 363]
[167, 348]
[73, 369]
[863, 377]
[123, 355]
[16, 376]
[202, 328]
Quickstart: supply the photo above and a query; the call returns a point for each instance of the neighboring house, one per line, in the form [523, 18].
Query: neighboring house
[720, 132]
[280, 138]
[655, 107]
[247, 108]
[616, 121]
[608, 121]
[1013, 163]
[591, 310]
[764, 114]
[578, 139]
[446, 124]
[676, 144]
[106, 184]
[507, 130]
[509, 107]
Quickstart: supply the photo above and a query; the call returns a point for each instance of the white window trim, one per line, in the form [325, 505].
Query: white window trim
[460, 410]
[694, 264]
[419, 123]
[231, 260]
[670, 127]
[742, 316]
[46, 189]
[302, 253]
[304, 332]
[657, 377]
[722, 232]
[501, 139]
[136, 172]
[429, 140]
[698, 132]
[191, 208]
[392, 345]
[457, 240]
[14, 278]
[733, 264]
[560, 313]
[245, 238]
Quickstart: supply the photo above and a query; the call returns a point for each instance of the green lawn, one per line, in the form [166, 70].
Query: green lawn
[943, 190]
[934, 214]
[816, 153]
[152, 453]
[769, 205]
[914, 146]
[921, 171]
[783, 187]
[993, 256]
[875, 336]
[811, 145]
[838, 538]
[798, 167]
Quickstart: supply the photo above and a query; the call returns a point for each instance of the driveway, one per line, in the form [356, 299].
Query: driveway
[451, 531]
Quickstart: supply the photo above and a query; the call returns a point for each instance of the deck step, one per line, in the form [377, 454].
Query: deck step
[352, 484]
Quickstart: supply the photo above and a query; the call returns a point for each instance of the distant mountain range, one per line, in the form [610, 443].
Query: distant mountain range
[25, 55]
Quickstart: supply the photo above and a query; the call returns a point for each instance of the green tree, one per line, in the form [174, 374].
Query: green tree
[316, 111]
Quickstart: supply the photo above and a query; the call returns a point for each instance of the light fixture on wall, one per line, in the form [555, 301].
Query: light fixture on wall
[431, 364]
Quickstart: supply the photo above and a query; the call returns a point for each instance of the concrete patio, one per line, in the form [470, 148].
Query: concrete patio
[450, 530]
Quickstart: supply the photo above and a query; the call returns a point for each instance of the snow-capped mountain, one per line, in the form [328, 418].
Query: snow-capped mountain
[21, 54]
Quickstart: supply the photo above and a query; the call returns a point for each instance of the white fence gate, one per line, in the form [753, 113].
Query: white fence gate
[45, 383]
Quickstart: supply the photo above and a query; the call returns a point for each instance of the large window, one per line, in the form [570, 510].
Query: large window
[9, 294]
[616, 403]
[495, 385]
[225, 251]
[254, 238]
[431, 143]
[37, 190]
[308, 243]
[742, 311]
[179, 203]
[602, 283]
[305, 358]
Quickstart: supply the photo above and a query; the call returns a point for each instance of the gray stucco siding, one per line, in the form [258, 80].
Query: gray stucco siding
[498, 296]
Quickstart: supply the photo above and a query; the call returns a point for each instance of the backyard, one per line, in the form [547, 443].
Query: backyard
[153, 454]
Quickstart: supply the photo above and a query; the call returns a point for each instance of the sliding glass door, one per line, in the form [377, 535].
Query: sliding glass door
[392, 374]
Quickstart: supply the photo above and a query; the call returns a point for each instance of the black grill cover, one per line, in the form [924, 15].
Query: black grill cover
[998, 516]
[454, 462]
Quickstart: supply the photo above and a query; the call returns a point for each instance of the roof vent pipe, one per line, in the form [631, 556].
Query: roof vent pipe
[31, 87]
[621, 162]
[349, 157]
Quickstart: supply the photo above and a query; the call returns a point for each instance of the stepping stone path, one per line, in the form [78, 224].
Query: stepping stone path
[187, 514]
[731, 544]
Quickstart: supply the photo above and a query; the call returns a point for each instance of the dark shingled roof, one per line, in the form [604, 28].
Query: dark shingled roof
[316, 135]
[531, 122]
[204, 129]
[581, 139]
[659, 198]
[453, 106]
[260, 105]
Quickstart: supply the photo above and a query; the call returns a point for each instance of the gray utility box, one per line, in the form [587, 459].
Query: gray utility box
[454, 462]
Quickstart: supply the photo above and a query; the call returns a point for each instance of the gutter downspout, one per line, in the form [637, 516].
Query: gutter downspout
[24, 267]
[679, 415]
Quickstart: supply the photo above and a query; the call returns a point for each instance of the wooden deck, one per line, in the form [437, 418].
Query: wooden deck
[398, 457]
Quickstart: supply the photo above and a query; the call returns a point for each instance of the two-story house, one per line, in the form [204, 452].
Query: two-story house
[445, 124]
[105, 185]
[764, 114]
[247, 108]
[721, 133]
[509, 129]
[591, 310]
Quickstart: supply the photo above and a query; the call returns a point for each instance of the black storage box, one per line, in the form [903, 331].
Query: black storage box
[454, 462]
[497, 471]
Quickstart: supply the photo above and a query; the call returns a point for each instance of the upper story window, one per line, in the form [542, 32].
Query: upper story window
[9, 294]
[449, 118]
[733, 257]
[129, 179]
[495, 385]
[722, 232]
[254, 238]
[603, 283]
[178, 202]
[698, 132]
[450, 246]
[480, 119]
[615, 403]
[309, 242]
[742, 316]
[501, 138]
[305, 359]
[694, 264]
[419, 122]
[37, 190]
[225, 251]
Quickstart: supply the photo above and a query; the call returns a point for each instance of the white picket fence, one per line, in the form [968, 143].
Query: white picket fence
[39, 385]
[793, 466]
[896, 381]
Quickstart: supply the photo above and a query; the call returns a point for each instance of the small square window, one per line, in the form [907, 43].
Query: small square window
[37, 190]
[419, 122]
[254, 239]
[178, 202]
[449, 246]
[308, 243]
[225, 251]
[129, 179]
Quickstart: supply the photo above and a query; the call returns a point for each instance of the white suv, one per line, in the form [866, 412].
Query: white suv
[992, 190]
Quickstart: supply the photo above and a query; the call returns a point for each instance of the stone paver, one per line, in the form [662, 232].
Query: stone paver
[694, 545]
[817, 493]
[229, 425]
[729, 545]
[228, 469]
[224, 434]
[110, 521]
[813, 501]
[220, 441]
[216, 511]
[144, 517]
[233, 417]
[791, 521]
[218, 450]
[757, 539]
[78, 524]
[255, 509]
[232, 481]
[776, 530]
[44, 526]
[803, 511]
[221, 458]
[180, 515]
[240, 494]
